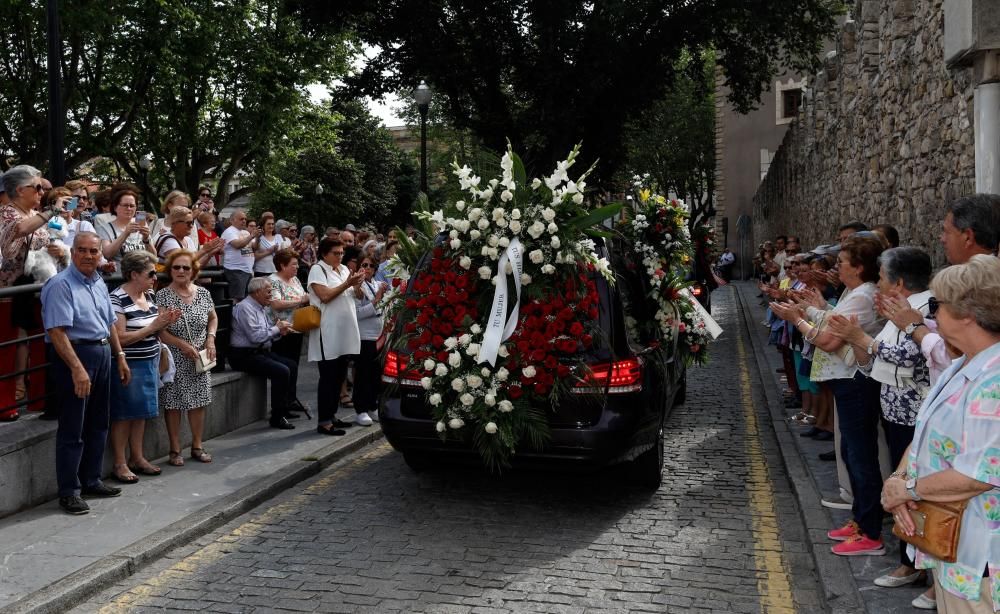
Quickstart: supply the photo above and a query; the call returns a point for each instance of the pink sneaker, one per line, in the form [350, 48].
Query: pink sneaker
[859, 545]
[845, 532]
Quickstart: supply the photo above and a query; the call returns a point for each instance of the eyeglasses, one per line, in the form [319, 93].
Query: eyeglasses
[38, 187]
[180, 267]
[206, 194]
[151, 274]
[933, 305]
[84, 197]
[188, 222]
[337, 253]
[367, 265]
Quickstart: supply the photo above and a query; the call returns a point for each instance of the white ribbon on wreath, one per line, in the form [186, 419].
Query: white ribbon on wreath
[500, 327]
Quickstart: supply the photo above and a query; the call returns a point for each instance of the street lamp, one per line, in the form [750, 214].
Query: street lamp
[422, 96]
[144, 164]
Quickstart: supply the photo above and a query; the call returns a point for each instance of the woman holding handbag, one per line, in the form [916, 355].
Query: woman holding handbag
[191, 340]
[332, 289]
[287, 295]
[955, 455]
[857, 395]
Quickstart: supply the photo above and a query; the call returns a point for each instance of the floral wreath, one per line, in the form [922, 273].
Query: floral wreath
[498, 313]
[656, 228]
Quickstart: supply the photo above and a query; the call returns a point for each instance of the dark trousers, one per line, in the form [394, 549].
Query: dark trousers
[898, 438]
[858, 412]
[332, 374]
[367, 374]
[83, 423]
[289, 346]
[280, 371]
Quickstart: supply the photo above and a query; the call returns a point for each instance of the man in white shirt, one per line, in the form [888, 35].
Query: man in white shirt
[237, 255]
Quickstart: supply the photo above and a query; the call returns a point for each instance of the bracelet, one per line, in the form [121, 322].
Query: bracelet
[870, 350]
[863, 365]
[800, 321]
[212, 334]
[814, 331]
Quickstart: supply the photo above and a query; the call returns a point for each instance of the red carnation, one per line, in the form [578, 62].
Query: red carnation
[587, 340]
[576, 329]
[515, 392]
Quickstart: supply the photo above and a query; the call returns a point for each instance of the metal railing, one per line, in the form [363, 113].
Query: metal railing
[216, 285]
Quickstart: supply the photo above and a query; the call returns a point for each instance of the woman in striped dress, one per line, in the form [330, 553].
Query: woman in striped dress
[139, 323]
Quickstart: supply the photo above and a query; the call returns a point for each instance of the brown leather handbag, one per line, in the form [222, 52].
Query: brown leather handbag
[937, 529]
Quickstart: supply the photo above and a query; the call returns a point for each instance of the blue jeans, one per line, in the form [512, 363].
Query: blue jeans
[83, 423]
[858, 413]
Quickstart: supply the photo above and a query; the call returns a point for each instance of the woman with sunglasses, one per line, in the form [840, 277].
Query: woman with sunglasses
[268, 243]
[22, 229]
[367, 366]
[332, 288]
[181, 222]
[139, 322]
[193, 332]
[124, 233]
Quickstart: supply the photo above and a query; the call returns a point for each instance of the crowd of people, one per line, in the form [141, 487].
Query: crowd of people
[891, 361]
[119, 358]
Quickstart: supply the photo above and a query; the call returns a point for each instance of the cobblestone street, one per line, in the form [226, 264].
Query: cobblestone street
[722, 534]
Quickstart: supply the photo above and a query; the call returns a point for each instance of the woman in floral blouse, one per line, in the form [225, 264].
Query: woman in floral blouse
[894, 359]
[955, 454]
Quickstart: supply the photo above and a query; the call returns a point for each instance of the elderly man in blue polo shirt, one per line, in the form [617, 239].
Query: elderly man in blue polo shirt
[79, 325]
[250, 351]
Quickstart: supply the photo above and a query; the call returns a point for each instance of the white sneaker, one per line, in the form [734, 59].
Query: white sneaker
[363, 419]
[374, 416]
[836, 503]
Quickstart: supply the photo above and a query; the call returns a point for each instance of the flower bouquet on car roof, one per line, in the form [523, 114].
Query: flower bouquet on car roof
[500, 310]
[656, 228]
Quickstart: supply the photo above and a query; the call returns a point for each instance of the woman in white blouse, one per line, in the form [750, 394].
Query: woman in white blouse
[857, 395]
[332, 289]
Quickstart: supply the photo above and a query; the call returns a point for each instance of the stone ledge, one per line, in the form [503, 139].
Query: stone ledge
[27, 447]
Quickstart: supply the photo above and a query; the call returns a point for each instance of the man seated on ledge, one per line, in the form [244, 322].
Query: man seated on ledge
[83, 346]
[250, 351]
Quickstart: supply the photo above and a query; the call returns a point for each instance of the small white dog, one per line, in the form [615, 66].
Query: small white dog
[40, 265]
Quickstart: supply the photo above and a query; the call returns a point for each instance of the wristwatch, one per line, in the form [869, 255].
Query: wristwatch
[911, 488]
[911, 328]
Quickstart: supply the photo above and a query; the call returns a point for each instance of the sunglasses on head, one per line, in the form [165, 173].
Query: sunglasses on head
[180, 267]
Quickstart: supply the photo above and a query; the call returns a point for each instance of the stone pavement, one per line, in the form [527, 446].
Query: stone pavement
[723, 533]
[823, 474]
[41, 546]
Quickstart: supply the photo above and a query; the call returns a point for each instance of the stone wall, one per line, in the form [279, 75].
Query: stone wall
[884, 134]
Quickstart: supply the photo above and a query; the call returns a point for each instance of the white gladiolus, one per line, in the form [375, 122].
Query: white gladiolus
[429, 365]
[490, 400]
[456, 243]
[450, 343]
[465, 262]
[440, 426]
[491, 428]
[458, 384]
[485, 272]
[528, 371]
[441, 370]
[506, 406]
[506, 196]
[555, 243]
[548, 269]
[460, 205]
[515, 227]
[502, 374]
[515, 214]
[435, 399]
[548, 214]
[426, 383]
[474, 381]
[487, 193]
[536, 230]
[464, 339]
[536, 183]
[454, 359]
[525, 279]
[578, 198]
[467, 399]
[552, 228]
[536, 256]
[483, 223]
[456, 423]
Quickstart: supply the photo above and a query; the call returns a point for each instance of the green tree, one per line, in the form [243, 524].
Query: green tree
[550, 74]
[674, 140]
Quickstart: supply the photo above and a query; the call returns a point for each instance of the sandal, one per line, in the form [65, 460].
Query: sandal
[201, 455]
[122, 477]
[146, 469]
[175, 460]
[346, 401]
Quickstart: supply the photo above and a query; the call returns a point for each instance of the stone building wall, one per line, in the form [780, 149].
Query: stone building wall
[884, 134]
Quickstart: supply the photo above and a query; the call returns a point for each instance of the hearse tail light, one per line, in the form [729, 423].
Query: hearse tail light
[615, 377]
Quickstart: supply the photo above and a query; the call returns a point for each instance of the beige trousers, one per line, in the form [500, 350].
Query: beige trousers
[952, 604]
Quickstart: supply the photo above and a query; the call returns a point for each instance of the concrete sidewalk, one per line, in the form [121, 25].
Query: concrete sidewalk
[50, 560]
[848, 580]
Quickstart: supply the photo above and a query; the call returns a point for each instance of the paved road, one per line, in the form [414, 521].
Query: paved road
[722, 534]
